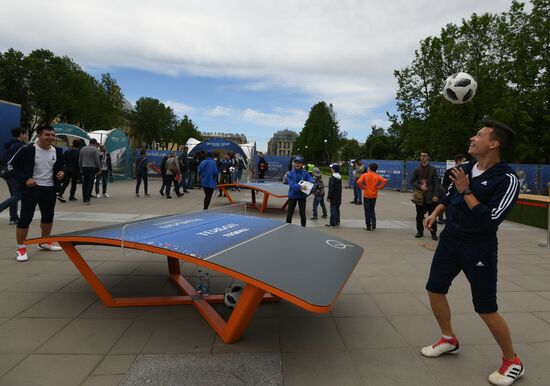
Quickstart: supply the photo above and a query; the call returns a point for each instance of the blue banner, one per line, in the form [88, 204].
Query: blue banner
[391, 170]
[277, 166]
[10, 117]
[545, 180]
[154, 159]
[528, 178]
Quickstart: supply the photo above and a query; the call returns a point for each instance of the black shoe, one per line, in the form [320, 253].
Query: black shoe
[313, 218]
[161, 192]
[368, 228]
[185, 191]
[353, 202]
[181, 194]
[418, 235]
[168, 196]
[328, 225]
[73, 199]
[373, 226]
[324, 216]
[61, 199]
[219, 195]
[434, 237]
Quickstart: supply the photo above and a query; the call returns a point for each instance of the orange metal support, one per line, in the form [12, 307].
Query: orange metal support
[242, 314]
[229, 331]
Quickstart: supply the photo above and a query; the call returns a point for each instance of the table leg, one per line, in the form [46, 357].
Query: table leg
[242, 314]
[547, 244]
[264, 203]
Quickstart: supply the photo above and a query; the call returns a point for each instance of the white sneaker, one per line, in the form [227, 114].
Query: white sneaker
[508, 373]
[49, 247]
[106, 195]
[442, 346]
[21, 254]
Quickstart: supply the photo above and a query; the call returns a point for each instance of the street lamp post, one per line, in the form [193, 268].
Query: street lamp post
[325, 150]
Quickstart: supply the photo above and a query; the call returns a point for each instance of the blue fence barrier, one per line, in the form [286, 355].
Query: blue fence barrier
[534, 179]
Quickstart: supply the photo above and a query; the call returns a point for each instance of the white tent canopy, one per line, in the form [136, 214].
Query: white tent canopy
[247, 148]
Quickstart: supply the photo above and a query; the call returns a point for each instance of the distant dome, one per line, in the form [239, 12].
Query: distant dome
[127, 105]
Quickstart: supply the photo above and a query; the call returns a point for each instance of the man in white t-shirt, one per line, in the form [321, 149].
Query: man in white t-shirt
[39, 169]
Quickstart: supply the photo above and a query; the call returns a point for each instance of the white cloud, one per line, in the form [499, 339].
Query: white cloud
[221, 111]
[180, 108]
[344, 52]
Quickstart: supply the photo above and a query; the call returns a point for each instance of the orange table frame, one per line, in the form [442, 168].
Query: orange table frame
[225, 189]
[229, 331]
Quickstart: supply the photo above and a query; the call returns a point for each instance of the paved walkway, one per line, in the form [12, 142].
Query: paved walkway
[54, 331]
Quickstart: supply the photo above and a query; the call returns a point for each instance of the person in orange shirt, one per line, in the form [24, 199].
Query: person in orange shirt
[369, 183]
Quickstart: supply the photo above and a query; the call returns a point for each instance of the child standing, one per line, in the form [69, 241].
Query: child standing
[370, 183]
[334, 195]
[318, 194]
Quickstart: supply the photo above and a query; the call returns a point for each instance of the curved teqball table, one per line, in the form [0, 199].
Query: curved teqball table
[276, 260]
[275, 189]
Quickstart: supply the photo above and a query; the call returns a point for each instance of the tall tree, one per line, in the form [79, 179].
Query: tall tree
[508, 54]
[320, 138]
[152, 121]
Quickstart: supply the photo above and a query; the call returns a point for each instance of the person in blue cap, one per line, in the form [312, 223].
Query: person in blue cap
[208, 172]
[296, 190]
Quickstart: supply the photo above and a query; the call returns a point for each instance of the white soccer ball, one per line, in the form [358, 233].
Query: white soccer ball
[232, 295]
[232, 169]
[459, 88]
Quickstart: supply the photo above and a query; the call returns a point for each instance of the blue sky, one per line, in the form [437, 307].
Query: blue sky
[244, 66]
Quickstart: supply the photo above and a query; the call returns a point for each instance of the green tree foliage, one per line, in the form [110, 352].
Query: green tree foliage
[186, 129]
[380, 145]
[349, 149]
[55, 88]
[509, 55]
[320, 125]
[152, 121]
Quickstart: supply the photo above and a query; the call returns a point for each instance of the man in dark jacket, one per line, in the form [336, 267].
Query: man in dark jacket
[163, 174]
[425, 178]
[39, 169]
[334, 195]
[19, 139]
[184, 169]
[480, 196]
[296, 189]
[71, 170]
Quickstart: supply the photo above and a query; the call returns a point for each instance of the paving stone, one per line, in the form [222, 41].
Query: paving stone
[51, 370]
[319, 368]
[115, 364]
[103, 380]
[391, 367]
[13, 303]
[7, 361]
[262, 335]
[351, 305]
[309, 334]
[400, 304]
[206, 369]
[86, 336]
[60, 305]
[180, 336]
[369, 332]
[25, 335]
[44, 282]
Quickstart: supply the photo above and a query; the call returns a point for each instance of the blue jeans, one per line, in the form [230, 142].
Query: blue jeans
[141, 177]
[15, 196]
[316, 201]
[334, 214]
[356, 192]
[104, 177]
[184, 179]
[192, 177]
[370, 215]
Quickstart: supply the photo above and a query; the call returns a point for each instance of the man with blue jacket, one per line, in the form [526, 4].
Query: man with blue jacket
[208, 172]
[39, 169]
[480, 196]
[296, 193]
